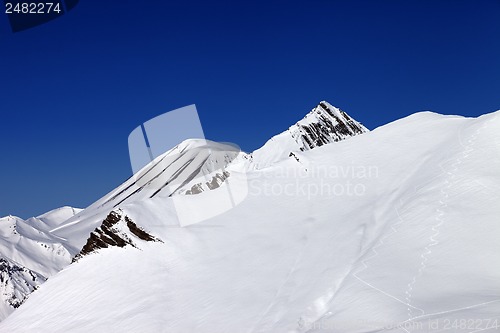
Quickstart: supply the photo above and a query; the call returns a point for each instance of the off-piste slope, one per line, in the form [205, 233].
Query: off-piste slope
[35, 249]
[393, 230]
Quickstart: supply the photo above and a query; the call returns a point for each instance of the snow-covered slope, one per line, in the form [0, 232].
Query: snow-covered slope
[395, 230]
[324, 124]
[35, 249]
[193, 166]
[29, 254]
[196, 166]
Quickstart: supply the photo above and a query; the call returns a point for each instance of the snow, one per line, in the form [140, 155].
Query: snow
[192, 162]
[29, 254]
[318, 127]
[397, 226]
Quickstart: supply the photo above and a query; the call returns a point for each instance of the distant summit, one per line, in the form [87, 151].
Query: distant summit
[322, 125]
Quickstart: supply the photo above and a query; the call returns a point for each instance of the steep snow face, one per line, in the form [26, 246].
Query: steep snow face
[324, 124]
[29, 254]
[171, 172]
[192, 167]
[395, 230]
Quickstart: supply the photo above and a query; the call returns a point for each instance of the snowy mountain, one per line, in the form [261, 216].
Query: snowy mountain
[29, 254]
[394, 230]
[324, 124]
[192, 167]
[35, 249]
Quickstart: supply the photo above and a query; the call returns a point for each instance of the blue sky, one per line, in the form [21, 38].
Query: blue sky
[72, 90]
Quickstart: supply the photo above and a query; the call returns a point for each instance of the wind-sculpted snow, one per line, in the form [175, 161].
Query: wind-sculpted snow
[395, 230]
[192, 167]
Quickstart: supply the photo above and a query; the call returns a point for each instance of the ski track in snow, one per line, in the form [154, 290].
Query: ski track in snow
[394, 229]
[440, 210]
[445, 185]
[443, 205]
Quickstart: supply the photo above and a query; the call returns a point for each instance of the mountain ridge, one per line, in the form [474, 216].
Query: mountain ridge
[192, 167]
[418, 242]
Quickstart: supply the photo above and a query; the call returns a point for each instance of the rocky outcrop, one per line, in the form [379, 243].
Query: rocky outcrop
[115, 230]
[214, 183]
[17, 282]
[323, 125]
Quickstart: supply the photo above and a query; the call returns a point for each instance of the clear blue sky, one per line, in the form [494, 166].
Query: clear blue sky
[72, 90]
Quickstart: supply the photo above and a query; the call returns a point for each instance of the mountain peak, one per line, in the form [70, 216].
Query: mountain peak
[322, 125]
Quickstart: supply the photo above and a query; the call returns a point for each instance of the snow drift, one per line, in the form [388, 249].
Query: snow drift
[393, 230]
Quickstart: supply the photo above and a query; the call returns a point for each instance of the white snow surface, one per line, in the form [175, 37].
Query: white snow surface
[30, 243]
[395, 230]
[192, 162]
[30, 254]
